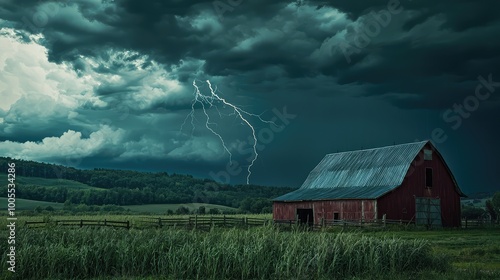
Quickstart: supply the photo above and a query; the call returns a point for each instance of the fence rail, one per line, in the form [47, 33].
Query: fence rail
[345, 223]
[204, 222]
[207, 222]
[79, 223]
[467, 223]
[381, 223]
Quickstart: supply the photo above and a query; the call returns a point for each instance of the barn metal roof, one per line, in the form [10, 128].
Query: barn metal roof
[366, 174]
[335, 193]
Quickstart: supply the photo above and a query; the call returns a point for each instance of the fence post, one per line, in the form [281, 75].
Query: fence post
[159, 222]
[81, 223]
[383, 220]
[195, 221]
[224, 221]
[105, 222]
[465, 222]
[128, 224]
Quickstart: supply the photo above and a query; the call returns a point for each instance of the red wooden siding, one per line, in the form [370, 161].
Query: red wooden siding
[396, 202]
[347, 209]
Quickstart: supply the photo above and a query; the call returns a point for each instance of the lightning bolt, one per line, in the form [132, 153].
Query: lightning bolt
[211, 101]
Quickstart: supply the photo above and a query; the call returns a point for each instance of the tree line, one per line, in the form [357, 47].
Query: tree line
[491, 209]
[124, 187]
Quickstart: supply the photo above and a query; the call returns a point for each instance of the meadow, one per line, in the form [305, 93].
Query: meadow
[261, 253]
[28, 204]
[43, 182]
[255, 253]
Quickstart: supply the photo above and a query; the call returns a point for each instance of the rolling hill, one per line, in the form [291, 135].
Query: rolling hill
[161, 191]
[45, 182]
[28, 204]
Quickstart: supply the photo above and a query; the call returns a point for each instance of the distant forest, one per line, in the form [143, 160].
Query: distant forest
[122, 187]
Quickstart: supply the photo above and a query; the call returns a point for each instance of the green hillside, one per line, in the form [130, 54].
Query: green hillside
[43, 182]
[163, 208]
[27, 204]
[98, 187]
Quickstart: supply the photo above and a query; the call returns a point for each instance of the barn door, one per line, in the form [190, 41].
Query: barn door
[428, 211]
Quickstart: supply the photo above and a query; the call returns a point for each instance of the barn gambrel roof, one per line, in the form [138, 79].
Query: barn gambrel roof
[366, 174]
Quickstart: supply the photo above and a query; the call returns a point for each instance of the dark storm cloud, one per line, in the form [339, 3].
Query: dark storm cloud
[165, 31]
[172, 31]
[264, 54]
[460, 15]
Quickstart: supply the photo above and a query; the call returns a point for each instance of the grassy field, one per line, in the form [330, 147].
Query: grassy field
[256, 253]
[26, 204]
[259, 253]
[478, 248]
[42, 182]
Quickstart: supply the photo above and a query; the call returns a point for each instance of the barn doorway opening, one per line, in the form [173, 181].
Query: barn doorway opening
[305, 216]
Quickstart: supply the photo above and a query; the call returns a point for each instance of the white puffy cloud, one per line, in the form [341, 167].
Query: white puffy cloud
[27, 73]
[70, 144]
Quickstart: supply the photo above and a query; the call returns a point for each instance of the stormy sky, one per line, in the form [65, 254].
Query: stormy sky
[110, 84]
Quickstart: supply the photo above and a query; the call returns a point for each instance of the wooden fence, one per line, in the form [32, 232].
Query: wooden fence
[79, 223]
[382, 223]
[205, 222]
[196, 222]
[467, 223]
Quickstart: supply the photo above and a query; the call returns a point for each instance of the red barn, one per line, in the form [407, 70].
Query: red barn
[409, 182]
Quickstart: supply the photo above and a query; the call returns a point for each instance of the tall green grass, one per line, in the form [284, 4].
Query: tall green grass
[260, 253]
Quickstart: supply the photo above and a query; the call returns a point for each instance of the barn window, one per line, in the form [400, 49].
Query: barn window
[428, 177]
[336, 216]
[427, 154]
